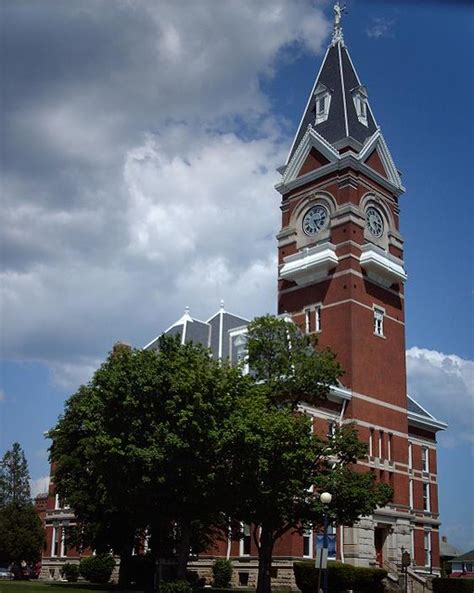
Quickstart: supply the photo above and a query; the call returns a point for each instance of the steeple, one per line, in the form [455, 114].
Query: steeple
[338, 108]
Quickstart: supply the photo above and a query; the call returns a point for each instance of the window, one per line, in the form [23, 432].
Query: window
[245, 541]
[321, 103]
[410, 485]
[389, 447]
[57, 503]
[331, 429]
[427, 545]
[371, 442]
[426, 496]
[317, 313]
[322, 98]
[63, 543]
[332, 543]
[360, 104]
[425, 459]
[312, 319]
[240, 344]
[378, 321]
[410, 456]
[308, 542]
[381, 445]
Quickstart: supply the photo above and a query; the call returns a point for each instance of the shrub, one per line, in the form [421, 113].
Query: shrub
[71, 572]
[97, 569]
[176, 587]
[453, 585]
[222, 572]
[340, 577]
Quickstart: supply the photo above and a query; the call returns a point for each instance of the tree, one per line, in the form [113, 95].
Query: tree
[21, 531]
[275, 459]
[14, 477]
[137, 448]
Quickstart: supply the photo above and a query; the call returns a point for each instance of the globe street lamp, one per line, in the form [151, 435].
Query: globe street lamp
[325, 498]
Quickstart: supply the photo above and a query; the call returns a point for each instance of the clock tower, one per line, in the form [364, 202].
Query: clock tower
[341, 274]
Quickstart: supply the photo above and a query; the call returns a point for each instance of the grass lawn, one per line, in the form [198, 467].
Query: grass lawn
[52, 587]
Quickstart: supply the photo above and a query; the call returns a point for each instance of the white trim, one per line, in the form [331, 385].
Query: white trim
[343, 90]
[63, 540]
[307, 104]
[309, 535]
[54, 547]
[377, 141]
[311, 139]
[410, 492]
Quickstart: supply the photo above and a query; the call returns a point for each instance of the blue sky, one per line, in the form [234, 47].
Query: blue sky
[141, 147]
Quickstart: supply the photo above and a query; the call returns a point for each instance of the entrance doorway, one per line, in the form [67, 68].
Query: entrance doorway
[380, 535]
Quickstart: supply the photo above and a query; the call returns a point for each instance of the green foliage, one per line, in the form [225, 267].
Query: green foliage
[340, 577]
[453, 585]
[176, 587]
[97, 569]
[222, 572]
[21, 533]
[70, 572]
[286, 361]
[14, 477]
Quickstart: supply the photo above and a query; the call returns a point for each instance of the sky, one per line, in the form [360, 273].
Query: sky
[139, 151]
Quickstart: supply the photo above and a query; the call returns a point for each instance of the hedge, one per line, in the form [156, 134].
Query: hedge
[453, 585]
[97, 569]
[341, 577]
[222, 572]
[70, 572]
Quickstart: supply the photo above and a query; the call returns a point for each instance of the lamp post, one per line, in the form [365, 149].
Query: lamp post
[325, 499]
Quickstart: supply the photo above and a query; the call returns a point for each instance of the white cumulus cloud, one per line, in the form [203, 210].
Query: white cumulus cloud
[39, 485]
[444, 384]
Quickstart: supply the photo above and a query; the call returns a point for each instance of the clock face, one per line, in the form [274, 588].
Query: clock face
[374, 222]
[315, 220]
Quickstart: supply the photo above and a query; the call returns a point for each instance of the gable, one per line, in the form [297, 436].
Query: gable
[313, 161]
[375, 162]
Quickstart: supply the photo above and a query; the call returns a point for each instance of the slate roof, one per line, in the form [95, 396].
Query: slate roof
[413, 406]
[467, 557]
[338, 74]
[213, 333]
[446, 550]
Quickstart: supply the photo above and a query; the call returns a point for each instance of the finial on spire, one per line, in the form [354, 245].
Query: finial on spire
[222, 304]
[186, 310]
[337, 36]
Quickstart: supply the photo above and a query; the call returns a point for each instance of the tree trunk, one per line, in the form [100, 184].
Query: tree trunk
[265, 553]
[184, 547]
[125, 561]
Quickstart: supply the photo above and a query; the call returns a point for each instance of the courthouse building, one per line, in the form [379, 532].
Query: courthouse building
[341, 275]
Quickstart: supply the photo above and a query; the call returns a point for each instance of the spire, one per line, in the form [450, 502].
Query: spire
[338, 108]
[337, 36]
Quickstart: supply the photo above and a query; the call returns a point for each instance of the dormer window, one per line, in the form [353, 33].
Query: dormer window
[322, 97]
[359, 95]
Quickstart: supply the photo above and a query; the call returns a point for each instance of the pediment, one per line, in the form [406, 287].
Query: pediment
[374, 161]
[313, 161]
[376, 155]
[313, 152]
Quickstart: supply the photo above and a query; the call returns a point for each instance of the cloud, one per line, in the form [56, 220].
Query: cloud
[444, 384]
[39, 486]
[381, 27]
[138, 171]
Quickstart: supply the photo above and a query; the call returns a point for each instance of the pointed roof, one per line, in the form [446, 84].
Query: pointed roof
[338, 75]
